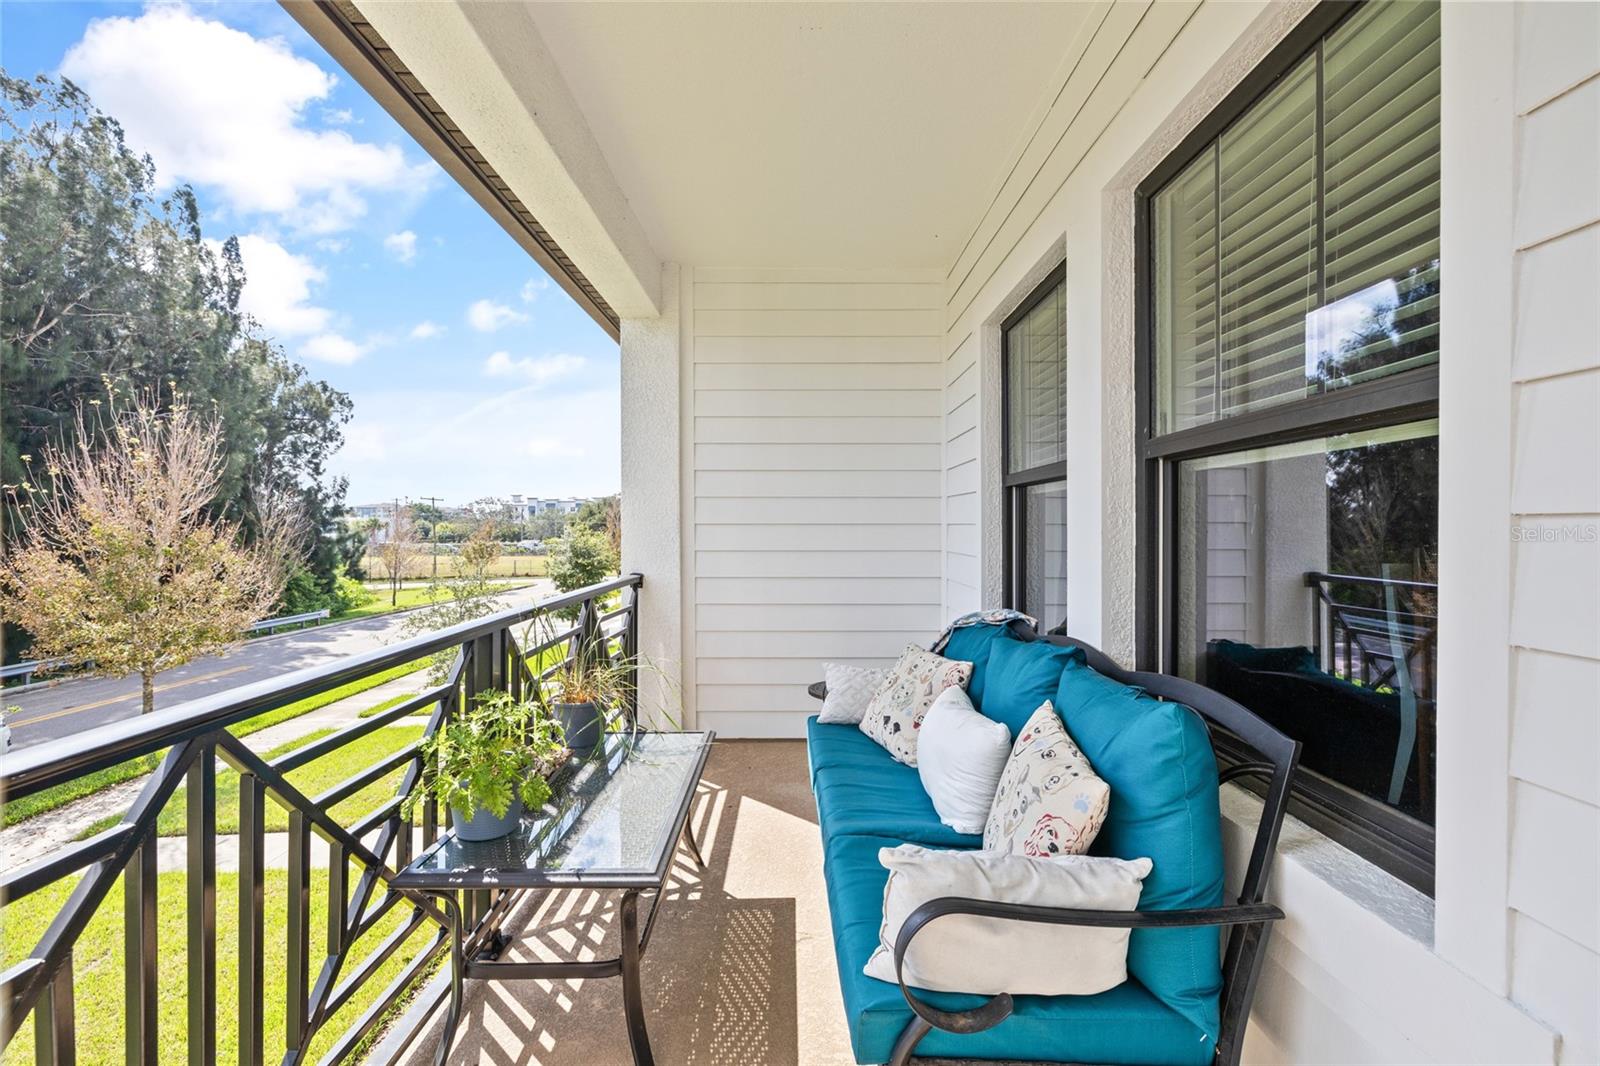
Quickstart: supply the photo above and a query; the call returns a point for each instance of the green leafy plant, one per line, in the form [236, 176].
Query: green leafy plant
[501, 747]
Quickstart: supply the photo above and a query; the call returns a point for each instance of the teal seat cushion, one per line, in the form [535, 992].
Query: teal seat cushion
[1123, 1025]
[866, 792]
[1021, 675]
[843, 746]
[1157, 758]
[971, 644]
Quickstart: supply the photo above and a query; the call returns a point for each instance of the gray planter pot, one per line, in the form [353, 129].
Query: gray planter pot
[582, 724]
[483, 825]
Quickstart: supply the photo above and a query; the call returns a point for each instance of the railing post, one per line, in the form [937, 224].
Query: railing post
[252, 939]
[202, 831]
[140, 938]
[53, 1026]
[297, 984]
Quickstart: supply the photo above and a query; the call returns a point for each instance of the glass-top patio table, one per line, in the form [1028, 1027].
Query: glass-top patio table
[613, 822]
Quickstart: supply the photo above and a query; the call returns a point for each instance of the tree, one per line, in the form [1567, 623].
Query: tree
[398, 546]
[581, 557]
[107, 284]
[122, 568]
[479, 551]
[547, 524]
[468, 595]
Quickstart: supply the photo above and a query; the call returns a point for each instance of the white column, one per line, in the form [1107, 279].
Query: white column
[652, 496]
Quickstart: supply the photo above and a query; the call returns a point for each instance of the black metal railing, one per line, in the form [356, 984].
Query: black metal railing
[373, 931]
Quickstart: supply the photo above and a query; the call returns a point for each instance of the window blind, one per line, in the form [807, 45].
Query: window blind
[1037, 390]
[1300, 250]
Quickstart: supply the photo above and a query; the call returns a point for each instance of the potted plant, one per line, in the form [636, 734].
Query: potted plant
[584, 692]
[490, 763]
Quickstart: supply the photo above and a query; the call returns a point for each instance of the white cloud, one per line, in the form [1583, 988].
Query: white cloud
[402, 245]
[333, 245]
[277, 288]
[338, 116]
[426, 330]
[532, 288]
[486, 316]
[221, 108]
[334, 348]
[534, 371]
[389, 451]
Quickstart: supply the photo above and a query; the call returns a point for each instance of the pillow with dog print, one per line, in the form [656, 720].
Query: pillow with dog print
[1050, 800]
[895, 714]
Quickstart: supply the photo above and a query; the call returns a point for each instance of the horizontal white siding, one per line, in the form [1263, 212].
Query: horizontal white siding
[1554, 888]
[816, 456]
[962, 456]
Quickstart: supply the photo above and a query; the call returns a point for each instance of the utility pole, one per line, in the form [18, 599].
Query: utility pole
[433, 530]
[395, 579]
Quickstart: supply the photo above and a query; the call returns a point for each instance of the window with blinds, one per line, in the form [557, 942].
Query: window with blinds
[1299, 251]
[1034, 397]
[1036, 386]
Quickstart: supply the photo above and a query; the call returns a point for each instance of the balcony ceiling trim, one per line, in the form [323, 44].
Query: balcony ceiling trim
[358, 47]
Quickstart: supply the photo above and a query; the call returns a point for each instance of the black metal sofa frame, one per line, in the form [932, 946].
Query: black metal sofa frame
[1273, 756]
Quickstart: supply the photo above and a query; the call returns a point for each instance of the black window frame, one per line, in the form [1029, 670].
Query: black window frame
[1014, 487]
[1402, 845]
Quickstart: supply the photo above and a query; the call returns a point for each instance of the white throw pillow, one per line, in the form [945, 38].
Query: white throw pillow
[1050, 801]
[894, 716]
[987, 956]
[960, 756]
[850, 689]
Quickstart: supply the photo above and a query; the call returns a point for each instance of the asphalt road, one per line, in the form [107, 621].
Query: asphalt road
[72, 706]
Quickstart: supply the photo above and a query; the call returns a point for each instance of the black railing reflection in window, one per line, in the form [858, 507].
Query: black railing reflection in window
[1306, 591]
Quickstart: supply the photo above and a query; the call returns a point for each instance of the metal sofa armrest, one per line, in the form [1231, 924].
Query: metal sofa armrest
[997, 1009]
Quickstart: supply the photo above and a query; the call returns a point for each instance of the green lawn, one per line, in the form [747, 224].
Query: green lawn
[98, 966]
[52, 798]
[409, 596]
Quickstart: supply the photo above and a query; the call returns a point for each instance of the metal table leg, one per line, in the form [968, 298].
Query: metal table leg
[694, 845]
[452, 1017]
[632, 1000]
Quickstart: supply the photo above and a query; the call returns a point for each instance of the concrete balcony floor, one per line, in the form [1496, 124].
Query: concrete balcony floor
[740, 968]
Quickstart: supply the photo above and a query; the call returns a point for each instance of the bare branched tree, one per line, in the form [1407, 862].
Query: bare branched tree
[397, 545]
[122, 569]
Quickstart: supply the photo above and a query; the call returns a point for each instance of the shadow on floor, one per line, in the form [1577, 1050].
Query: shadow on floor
[738, 971]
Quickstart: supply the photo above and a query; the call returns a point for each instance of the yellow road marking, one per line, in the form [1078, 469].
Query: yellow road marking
[120, 699]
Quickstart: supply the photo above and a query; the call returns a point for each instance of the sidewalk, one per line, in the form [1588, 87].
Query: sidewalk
[37, 837]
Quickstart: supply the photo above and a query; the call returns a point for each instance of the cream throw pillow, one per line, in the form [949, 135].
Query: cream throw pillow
[895, 714]
[1050, 801]
[987, 956]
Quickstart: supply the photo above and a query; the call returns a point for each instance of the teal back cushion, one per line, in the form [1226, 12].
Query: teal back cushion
[1021, 675]
[970, 644]
[1157, 758]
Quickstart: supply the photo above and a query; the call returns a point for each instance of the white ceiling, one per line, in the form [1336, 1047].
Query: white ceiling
[809, 135]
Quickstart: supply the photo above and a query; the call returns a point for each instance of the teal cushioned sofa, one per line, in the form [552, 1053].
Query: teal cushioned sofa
[1178, 1005]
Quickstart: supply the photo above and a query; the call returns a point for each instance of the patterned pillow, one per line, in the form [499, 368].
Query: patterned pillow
[895, 713]
[1050, 801]
[850, 689]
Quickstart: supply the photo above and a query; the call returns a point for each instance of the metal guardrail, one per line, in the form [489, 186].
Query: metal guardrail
[330, 990]
[272, 625]
[26, 670]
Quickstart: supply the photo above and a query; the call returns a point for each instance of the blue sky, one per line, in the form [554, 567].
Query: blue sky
[471, 372]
